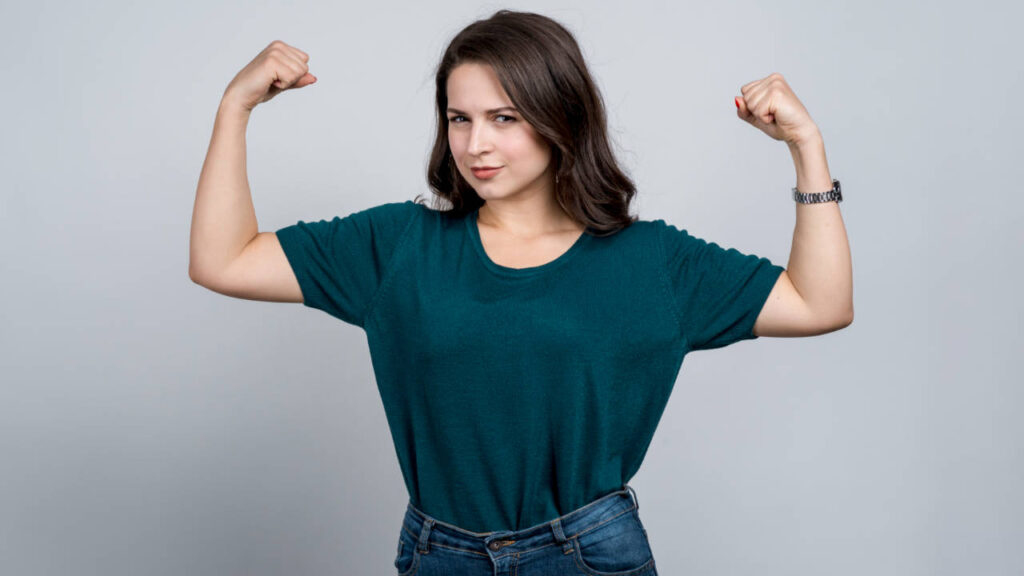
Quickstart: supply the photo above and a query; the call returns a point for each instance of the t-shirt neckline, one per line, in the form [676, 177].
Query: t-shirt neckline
[474, 233]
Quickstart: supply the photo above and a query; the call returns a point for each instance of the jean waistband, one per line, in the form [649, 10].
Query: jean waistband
[426, 529]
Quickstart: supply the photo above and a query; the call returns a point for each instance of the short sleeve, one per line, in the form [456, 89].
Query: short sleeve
[340, 263]
[718, 292]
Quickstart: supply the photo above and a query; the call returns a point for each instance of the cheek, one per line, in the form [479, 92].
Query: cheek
[533, 145]
[520, 147]
[454, 146]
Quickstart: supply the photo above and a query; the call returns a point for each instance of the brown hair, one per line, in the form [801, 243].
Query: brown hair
[541, 68]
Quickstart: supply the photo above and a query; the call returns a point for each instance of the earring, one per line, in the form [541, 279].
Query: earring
[556, 178]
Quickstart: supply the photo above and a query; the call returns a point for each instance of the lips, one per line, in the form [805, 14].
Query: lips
[486, 172]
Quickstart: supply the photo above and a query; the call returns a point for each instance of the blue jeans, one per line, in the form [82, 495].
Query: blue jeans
[603, 538]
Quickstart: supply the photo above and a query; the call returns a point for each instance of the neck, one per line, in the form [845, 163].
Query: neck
[526, 218]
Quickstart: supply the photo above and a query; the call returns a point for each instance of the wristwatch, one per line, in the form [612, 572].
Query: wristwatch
[836, 193]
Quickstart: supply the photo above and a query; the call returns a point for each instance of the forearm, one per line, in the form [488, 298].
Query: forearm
[819, 261]
[223, 217]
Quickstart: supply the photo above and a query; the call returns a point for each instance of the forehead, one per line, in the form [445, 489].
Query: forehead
[475, 86]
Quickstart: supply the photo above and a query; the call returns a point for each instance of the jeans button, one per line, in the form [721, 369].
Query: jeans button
[498, 544]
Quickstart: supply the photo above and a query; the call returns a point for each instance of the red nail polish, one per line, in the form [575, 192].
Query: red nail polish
[737, 101]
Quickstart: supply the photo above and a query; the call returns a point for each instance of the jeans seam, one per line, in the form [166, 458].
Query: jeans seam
[603, 522]
[578, 559]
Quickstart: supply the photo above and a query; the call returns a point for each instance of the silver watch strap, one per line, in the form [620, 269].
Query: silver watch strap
[835, 194]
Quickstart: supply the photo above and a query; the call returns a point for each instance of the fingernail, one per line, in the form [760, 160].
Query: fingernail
[737, 101]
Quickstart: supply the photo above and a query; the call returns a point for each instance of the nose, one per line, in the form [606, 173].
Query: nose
[479, 139]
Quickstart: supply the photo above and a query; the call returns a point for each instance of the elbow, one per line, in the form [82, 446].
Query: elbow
[834, 321]
[845, 320]
[194, 274]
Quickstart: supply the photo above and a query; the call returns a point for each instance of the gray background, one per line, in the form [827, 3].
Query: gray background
[151, 426]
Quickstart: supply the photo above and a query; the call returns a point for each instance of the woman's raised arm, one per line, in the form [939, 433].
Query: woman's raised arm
[226, 251]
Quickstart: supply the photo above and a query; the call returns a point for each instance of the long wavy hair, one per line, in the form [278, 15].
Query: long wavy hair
[541, 68]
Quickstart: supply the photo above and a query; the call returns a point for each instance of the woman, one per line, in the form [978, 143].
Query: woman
[526, 335]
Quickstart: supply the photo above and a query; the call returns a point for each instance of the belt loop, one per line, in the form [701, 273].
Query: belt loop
[556, 527]
[428, 524]
[635, 499]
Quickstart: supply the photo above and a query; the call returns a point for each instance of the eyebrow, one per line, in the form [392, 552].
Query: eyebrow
[492, 111]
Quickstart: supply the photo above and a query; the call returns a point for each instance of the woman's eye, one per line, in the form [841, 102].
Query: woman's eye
[455, 119]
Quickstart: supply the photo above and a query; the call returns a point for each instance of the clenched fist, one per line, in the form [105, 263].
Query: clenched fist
[770, 105]
[277, 68]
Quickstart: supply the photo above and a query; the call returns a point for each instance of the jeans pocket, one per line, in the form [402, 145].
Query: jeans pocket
[616, 548]
[407, 558]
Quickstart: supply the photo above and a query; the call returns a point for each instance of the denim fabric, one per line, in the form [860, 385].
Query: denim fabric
[602, 538]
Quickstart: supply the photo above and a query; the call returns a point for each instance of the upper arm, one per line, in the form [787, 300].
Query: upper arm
[260, 272]
[786, 314]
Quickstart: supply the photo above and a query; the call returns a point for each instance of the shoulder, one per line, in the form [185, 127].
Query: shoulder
[676, 242]
[389, 218]
[662, 230]
[655, 228]
[379, 224]
[402, 210]
[659, 234]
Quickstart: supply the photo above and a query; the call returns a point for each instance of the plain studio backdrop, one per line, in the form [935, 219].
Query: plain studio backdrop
[151, 426]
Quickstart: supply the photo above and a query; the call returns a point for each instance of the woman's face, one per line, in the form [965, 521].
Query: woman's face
[479, 134]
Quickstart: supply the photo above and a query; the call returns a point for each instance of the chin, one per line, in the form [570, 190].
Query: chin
[485, 190]
[487, 196]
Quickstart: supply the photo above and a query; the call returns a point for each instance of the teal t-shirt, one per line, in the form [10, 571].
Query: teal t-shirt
[515, 396]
